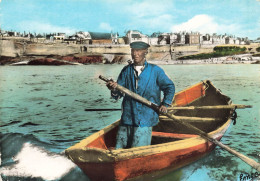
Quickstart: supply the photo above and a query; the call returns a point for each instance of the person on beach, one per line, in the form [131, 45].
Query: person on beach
[147, 80]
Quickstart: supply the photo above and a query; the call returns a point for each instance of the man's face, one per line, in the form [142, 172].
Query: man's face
[138, 55]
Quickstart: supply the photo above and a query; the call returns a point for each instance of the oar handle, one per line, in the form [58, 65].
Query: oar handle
[104, 78]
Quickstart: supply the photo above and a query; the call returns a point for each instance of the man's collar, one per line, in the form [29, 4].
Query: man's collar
[142, 67]
[145, 64]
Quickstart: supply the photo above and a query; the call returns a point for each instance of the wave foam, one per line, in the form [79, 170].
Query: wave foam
[33, 161]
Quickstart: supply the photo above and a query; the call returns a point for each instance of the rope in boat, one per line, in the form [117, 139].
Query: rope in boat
[234, 116]
[206, 86]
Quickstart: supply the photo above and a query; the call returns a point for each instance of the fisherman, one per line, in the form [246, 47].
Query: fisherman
[147, 80]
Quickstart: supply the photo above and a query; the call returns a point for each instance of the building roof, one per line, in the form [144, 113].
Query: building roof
[100, 36]
[136, 36]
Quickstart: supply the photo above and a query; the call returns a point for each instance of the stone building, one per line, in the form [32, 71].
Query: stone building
[163, 39]
[192, 38]
[114, 37]
[134, 35]
[229, 40]
[83, 37]
[173, 38]
[153, 40]
[206, 39]
[181, 38]
[218, 39]
[59, 37]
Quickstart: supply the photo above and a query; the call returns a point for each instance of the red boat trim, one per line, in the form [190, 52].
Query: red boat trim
[189, 95]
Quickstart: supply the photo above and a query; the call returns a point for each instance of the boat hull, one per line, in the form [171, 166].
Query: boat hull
[173, 145]
[153, 165]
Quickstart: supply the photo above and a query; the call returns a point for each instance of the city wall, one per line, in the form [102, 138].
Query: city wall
[9, 49]
[13, 48]
[50, 49]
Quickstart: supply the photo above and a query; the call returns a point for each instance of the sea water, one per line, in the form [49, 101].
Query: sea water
[42, 112]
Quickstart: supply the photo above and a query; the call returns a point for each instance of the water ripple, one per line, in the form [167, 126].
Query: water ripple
[29, 124]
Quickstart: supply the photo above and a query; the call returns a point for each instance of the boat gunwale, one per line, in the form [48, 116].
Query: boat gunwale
[82, 144]
[124, 154]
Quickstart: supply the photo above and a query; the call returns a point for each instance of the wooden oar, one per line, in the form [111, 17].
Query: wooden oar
[163, 117]
[204, 135]
[233, 106]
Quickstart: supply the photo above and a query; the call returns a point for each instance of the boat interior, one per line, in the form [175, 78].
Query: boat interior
[168, 130]
[212, 97]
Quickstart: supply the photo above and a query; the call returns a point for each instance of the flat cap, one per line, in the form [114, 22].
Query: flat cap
[139, 45]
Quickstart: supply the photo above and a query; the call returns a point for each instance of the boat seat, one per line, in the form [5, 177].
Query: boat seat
[173, 135]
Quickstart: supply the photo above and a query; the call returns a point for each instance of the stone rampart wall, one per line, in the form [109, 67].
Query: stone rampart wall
[52, 49]
[14, 48]
[8, 49]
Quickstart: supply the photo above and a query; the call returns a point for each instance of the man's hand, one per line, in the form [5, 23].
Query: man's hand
[163, 109]
[111, 85]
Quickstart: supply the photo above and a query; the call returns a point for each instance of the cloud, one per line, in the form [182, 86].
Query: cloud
[149, 15]
[157, 23]
[148, 8]
[38, 27]
[205, 24]
[105, 26]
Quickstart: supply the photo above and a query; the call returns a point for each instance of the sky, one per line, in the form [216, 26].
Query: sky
[233, 17]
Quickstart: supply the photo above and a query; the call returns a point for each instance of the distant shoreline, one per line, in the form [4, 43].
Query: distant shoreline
[220, 60]
[23, 53]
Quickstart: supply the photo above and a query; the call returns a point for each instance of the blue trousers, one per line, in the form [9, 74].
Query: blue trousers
[130, 136]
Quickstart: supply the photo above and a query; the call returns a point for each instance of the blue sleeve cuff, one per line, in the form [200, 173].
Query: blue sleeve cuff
[165, 104]
[116, 94]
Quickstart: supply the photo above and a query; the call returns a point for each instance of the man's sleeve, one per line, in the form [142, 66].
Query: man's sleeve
[115, 94]
[167, 86]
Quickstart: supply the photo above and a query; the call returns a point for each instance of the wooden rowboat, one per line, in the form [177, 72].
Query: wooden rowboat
[173, 145]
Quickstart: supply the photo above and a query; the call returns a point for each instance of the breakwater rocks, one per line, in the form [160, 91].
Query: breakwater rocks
[47, 61]
[83, 59]
[16, 51]
[7, 60]
[95, 59]
[64, 60]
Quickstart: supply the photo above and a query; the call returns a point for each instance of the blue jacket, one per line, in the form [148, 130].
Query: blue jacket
[151, 82]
